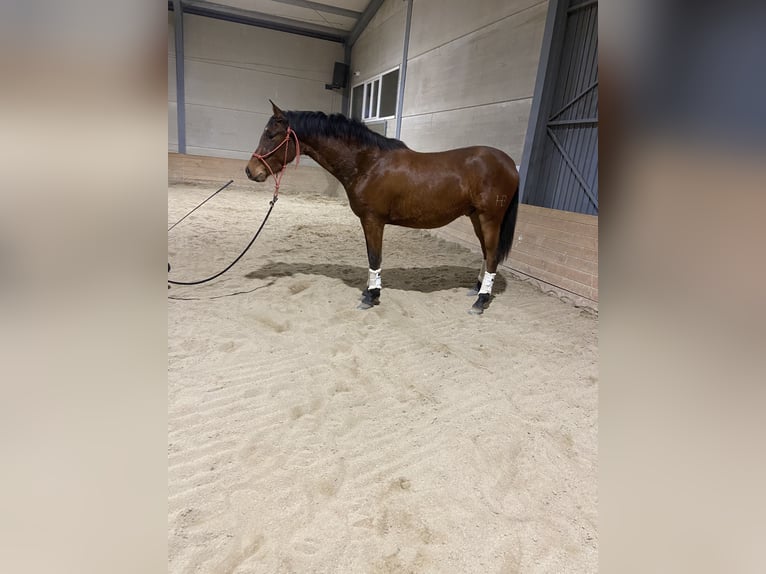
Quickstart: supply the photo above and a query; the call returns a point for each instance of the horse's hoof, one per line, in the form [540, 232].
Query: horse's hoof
[481, 303]
[368, 303]
[370, 297]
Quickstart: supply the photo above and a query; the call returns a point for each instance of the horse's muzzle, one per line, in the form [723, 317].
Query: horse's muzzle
[260, 177]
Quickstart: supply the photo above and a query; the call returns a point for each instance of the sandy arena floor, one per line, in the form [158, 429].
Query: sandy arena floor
[308, 436]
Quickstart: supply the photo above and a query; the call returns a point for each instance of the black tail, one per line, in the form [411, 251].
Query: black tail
[508, 228]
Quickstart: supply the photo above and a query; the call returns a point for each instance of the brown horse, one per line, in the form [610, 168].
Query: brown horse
[387, 182]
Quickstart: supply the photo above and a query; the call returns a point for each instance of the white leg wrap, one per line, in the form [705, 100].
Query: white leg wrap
[483, 270]
[486, 283]
[374, 281]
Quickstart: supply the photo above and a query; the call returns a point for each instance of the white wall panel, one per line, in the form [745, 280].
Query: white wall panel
[232, 71]
[500, 125]
[171, 34]
[172, 127]
[379, 47]
[471, 69]
[437, 22]
[172, 78]
[496, 63]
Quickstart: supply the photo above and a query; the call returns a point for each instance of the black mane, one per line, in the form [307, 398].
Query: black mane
[308, 124]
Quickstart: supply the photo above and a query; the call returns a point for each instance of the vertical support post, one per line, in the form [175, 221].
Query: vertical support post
[346, 106]
[547, 68]
[403, 71]
[178, 16]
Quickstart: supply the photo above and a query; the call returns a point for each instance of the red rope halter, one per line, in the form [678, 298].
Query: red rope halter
[278, 177]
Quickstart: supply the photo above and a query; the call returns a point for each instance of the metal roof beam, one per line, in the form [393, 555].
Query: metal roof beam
[326, 8]
[361, 24]
[251, 18]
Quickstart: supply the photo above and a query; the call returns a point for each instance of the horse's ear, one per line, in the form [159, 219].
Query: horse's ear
[277, 112]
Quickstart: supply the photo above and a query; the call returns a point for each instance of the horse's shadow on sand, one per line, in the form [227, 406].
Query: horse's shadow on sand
[421, 279]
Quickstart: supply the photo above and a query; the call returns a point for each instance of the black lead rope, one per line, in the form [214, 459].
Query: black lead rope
[220, 189]
[241, 255]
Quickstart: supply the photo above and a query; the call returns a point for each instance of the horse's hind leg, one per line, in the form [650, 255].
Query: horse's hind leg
[491, 232]
[373, 235]
[477, 229]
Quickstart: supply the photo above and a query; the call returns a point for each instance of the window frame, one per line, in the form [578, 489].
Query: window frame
[367, 96]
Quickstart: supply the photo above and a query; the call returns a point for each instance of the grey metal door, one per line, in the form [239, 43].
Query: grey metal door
[562, 167]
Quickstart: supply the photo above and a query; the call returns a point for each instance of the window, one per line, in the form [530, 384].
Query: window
[367, 90]
[388, 92]
[356, 102]
[375, 99]
[373, 111]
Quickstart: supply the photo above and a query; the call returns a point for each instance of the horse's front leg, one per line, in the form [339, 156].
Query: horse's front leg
[373, 235]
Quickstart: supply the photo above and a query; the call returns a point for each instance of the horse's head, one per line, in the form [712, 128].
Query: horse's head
[275, 149]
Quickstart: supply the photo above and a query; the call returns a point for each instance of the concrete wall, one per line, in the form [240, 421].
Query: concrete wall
[470, 77]
[379, 47]
[231, 72]
[471, 69]
[471, 73]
